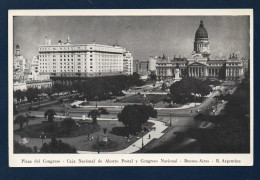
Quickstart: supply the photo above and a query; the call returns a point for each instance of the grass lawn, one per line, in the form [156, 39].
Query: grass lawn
[80, 139]
[55, 130]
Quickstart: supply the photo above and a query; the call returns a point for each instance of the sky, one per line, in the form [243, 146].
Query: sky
[144, 36]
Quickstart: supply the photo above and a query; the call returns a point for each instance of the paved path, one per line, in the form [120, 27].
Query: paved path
[155, 134]
[186, 106]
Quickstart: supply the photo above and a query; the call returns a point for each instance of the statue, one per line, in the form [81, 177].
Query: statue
[177, 75]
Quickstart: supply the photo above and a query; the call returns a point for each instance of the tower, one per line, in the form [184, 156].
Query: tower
[17, 50]
[68, 40]
[201, 42]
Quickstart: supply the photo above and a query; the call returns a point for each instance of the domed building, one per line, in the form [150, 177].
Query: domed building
[201, 42]
[200, 65]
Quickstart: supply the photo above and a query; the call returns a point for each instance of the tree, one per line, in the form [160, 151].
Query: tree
[18, 148]
[68, 124]
[47, 91]
[50, 115]
[133, 116]
[94, 114]
[186, 89]
[57, 147]
[164, 86]
[19, 95]
[153, 77]
[32, 93]
[21, 120]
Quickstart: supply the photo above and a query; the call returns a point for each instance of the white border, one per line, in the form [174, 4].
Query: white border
[15, 160]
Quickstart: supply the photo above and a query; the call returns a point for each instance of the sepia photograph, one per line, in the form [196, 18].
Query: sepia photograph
[130, 88]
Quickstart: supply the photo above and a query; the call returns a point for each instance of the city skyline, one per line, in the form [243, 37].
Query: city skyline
[144, 36]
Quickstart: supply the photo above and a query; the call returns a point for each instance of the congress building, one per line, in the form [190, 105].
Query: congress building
[200, 65]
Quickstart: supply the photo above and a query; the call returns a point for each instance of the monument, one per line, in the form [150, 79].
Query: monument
[176, 75]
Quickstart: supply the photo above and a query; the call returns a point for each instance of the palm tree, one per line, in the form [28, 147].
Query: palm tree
[50, 114]
[21, 120]
[94, 114]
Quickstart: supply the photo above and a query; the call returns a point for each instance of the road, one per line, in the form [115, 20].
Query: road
[181, 118]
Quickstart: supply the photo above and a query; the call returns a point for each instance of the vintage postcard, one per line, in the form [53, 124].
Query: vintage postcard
[130, 87]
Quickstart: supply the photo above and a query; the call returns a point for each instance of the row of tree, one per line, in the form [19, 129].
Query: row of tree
[101, 88]
[98, 88]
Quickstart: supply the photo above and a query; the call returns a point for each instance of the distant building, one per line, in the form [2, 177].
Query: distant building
[35, 65]
[19, 66]
[19, 86]
[135, 65]
[128, 63]
[143, 67]
[39, 84]
[200, 65]
[152, 63]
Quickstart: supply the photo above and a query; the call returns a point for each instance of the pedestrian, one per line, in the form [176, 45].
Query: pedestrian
[149, 136]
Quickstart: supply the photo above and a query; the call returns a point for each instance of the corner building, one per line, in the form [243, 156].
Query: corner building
[200, 65]
[81, 60]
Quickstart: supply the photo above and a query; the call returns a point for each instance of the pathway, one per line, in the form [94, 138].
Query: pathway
[137, 145]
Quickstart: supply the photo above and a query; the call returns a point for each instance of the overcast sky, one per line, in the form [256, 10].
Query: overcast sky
[144, 36]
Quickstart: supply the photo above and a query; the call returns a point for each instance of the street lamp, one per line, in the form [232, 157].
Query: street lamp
[110, 94]
[42, 136]
[96, 100]
[142, 137]
[98, 144]
[171, 118]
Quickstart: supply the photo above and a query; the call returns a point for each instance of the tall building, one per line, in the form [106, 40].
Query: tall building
[128, 63]
[152, 63]
[66, 59]
[35, 65]
[143, 67]
[200, 64]
[19, 65]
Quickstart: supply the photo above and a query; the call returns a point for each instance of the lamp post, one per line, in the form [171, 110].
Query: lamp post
[98, 144]
[110, 94]
[42, 137]
[171, 118]
[96, 100]
[142, 137]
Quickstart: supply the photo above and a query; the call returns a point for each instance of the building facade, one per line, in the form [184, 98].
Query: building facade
[128, 63]
[39, 84]
[200, 65]
[35, 65]
[152, 64]
[67, 59]
[20, 69]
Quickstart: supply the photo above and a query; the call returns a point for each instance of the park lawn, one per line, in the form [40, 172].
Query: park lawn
[54, 130]
[81, 142]
[116, 142]
[138, 98]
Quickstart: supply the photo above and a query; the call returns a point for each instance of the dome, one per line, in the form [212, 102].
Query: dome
[201, 31]
[17, 46]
